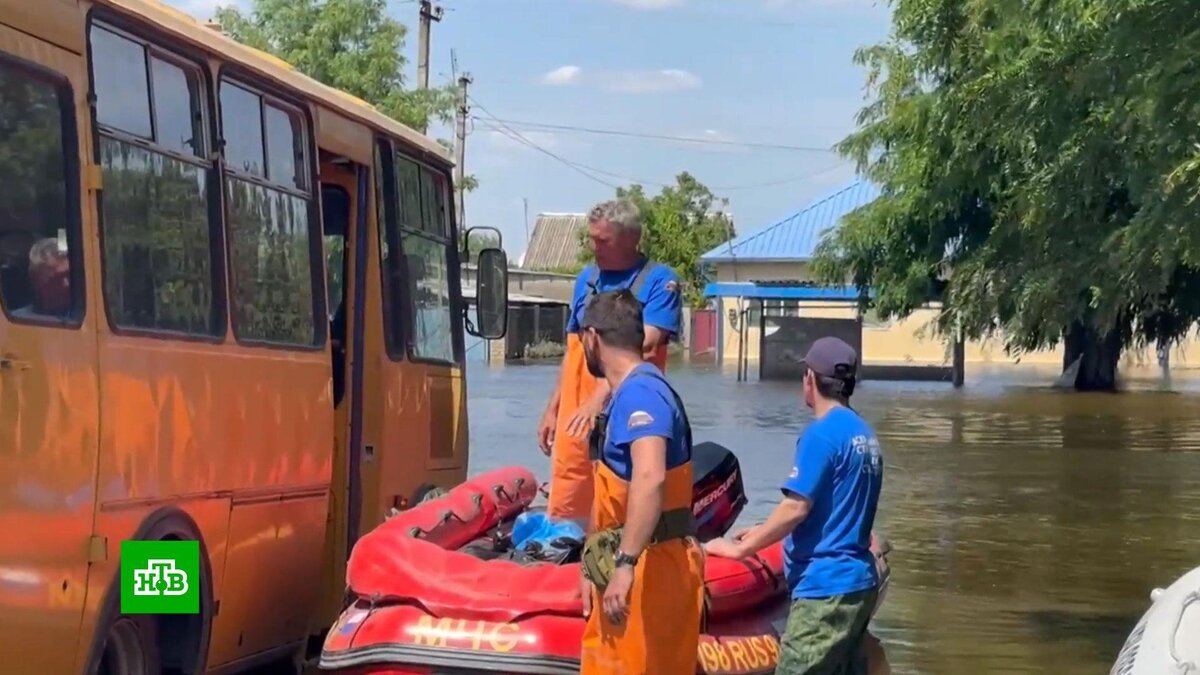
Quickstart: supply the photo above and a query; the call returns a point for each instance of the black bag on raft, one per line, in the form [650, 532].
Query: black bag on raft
[498, 546]
[561, 551]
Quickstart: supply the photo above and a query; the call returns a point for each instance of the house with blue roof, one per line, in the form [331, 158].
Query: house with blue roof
[762, 286]
[751, 264]
[761, 289]
[766, 273]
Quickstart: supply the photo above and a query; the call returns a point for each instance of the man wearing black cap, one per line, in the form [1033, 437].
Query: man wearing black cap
[825, 518]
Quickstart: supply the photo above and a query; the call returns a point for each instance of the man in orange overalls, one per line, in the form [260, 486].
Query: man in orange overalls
[646, 583]
[615, 230]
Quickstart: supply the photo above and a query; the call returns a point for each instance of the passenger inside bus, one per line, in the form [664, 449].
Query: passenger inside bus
[335, 204]
[48, 293]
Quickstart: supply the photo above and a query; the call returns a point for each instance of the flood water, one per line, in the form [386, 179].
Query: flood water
[1029, 525]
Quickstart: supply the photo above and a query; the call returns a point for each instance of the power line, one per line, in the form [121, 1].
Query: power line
[521, 139]
[587, 170]
[509, 133]
[664, 137]
[785, 181]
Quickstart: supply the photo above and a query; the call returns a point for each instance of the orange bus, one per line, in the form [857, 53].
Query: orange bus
[232, 314]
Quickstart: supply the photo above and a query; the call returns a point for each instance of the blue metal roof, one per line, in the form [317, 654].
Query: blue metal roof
[796, 237]
[780, 291]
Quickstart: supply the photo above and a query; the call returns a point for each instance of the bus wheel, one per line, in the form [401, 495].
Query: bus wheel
[131, 647]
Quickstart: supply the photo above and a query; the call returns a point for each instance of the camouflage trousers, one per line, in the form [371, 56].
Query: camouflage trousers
[824, 636]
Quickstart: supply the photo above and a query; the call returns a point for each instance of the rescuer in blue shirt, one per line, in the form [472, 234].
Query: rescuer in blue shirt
[643, 571]
[829, 502]
[615, 232]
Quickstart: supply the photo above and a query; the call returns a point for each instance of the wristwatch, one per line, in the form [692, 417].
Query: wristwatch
[623, 558]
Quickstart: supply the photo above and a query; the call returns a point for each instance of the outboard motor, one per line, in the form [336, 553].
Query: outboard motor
[717, 493]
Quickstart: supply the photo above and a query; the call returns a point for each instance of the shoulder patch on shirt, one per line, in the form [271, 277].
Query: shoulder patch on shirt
[794, 472]
[671, 286]
[640, 418]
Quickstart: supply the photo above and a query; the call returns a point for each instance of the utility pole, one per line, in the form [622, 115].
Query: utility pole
[525, 201]
[460, 148]
[429, 14]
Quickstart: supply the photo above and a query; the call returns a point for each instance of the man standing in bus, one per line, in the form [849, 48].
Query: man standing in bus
[615, 231]
[642, 508]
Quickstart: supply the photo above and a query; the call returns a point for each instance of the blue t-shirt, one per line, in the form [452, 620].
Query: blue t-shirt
[662, 306]
[642, 406]
[839, 469]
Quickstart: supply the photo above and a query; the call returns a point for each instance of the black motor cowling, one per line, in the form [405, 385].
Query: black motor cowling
[717, 492]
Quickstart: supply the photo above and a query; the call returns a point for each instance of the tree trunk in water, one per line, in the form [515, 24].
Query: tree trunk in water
[1099, 356]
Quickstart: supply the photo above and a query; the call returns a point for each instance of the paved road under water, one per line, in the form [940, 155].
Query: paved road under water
[1029, 524]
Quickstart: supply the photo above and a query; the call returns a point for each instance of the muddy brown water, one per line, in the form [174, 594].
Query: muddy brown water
[1029, 524]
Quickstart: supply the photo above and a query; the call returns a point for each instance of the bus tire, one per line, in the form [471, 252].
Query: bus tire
[130, 647]
[171, 644]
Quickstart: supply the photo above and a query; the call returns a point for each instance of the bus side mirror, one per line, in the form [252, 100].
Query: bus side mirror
[491, 295]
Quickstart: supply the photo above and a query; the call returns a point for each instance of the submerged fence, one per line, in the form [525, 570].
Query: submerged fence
[530, 325]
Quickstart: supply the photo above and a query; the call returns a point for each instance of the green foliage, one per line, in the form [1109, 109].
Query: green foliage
[1040, 169]
[679, 224]
[350, 45]
[480, 241]
[571, 270]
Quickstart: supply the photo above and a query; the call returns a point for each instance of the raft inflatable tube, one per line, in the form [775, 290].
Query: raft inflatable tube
[1167, 638]
[422, 605]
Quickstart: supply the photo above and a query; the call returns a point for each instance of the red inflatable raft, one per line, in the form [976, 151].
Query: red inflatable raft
[422, 604]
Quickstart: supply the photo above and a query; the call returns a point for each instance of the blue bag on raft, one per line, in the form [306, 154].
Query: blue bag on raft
[538, 528]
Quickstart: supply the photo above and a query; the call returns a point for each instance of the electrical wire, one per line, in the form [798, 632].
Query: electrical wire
[588, 171]
[664, 137]
[514, 135]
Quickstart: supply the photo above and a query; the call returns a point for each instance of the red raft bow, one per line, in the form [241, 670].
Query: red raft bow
[424, 603]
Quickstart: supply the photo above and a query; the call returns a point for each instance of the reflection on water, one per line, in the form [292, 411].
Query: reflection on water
[1029, 525]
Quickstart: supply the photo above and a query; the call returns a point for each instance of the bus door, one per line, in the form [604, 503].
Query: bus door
[345, 198]
[48, 386]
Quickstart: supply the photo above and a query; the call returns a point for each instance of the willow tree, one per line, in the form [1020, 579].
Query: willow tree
[1039, 172]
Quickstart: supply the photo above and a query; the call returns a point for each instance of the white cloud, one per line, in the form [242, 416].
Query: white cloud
[563, 76]
[623, 81]
[650, 81]
[771, 5]
[650, 5]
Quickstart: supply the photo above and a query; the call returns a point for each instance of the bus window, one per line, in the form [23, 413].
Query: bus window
[160, 264]
[38, 240]
[271, 244]
[425, 238]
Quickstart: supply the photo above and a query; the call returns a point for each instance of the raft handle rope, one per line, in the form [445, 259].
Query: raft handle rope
[776, 580]
[501, 492]
[1182, 666]
[418, 532]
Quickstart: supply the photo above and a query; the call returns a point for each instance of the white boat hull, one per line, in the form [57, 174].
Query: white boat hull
[1166, 641]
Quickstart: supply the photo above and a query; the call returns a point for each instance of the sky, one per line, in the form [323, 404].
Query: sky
[736, 74]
